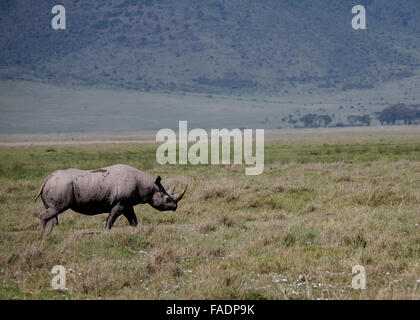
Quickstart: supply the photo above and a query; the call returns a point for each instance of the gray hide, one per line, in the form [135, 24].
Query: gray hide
[114, 190]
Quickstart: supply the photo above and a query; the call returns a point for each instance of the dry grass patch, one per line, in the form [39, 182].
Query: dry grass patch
[292, 233]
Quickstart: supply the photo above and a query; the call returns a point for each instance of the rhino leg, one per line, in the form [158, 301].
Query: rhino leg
[50, 213]
[131, 216]
[57, 195]
[116, 211]
[54, 222]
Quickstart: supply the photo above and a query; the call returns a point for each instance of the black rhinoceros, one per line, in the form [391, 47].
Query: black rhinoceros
[114, 190]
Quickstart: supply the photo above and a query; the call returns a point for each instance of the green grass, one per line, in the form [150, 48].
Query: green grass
[293, 232]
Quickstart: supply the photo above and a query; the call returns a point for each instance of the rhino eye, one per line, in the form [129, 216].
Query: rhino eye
[168, 200]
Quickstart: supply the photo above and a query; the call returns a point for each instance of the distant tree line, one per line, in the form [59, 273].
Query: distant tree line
[394, 114]
[408, 114]
[355, 121]
[315, 120]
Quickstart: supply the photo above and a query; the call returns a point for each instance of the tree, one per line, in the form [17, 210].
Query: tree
[315, 121]
[366, 119]
[326, 119]
[308, 120]
[399, 112]
[355, 120]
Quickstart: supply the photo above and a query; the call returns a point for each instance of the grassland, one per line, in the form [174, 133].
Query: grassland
[323, 204]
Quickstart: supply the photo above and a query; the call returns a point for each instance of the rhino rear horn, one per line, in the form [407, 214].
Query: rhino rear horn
[179, 196]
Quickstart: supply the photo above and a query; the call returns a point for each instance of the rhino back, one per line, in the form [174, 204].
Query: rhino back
[100, 189]
[144, 183]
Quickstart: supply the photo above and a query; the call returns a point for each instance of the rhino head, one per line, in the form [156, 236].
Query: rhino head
[163, 200]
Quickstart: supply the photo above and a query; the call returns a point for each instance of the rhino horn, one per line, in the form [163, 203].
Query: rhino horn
[179, 196]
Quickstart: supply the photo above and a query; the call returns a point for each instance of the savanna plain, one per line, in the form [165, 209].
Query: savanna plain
[327, 200]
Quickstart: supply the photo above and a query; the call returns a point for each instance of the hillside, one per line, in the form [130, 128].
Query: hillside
[216, 47]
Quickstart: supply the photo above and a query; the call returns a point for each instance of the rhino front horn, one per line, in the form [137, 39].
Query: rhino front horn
[179, 196]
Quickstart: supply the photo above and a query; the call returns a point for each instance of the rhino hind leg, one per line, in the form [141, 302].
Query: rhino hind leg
[54, 222]
[131, 216]
[50, 213]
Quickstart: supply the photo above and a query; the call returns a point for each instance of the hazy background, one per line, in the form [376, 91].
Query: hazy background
[144, 65]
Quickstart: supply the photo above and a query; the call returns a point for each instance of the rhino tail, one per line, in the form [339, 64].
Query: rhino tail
[42, 188]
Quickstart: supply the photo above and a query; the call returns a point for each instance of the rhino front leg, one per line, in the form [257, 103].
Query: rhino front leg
[116, 211]
[131, 216]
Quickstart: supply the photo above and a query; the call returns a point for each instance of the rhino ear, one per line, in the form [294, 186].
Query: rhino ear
[158, 180]
[159, 185]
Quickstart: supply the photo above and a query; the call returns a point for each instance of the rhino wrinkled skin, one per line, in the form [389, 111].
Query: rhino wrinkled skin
[114, 190]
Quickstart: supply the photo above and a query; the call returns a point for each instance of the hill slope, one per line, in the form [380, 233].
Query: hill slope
[228, 47]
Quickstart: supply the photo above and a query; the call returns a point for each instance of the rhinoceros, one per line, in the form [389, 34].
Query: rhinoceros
[114, 190]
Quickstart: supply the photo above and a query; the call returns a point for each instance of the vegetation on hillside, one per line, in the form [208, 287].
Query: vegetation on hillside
[212, 46]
